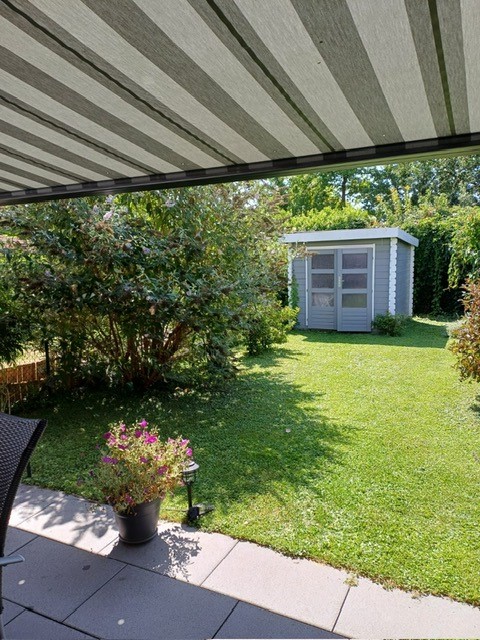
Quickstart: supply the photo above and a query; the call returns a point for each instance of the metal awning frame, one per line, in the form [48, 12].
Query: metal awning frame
[338, 160]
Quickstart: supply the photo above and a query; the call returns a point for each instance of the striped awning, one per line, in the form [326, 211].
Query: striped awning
[103, 96]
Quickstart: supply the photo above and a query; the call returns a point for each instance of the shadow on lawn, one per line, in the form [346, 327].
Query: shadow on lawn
[262, 435]
[272, 357]
[265, 436]
[416, 335]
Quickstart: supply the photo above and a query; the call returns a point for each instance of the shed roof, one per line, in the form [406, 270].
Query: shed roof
[102, 97]
[350, 234]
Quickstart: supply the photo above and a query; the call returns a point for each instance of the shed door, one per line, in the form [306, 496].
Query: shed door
[354, 289]
[322, 299]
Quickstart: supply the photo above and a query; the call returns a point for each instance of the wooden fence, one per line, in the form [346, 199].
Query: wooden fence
[17, 382]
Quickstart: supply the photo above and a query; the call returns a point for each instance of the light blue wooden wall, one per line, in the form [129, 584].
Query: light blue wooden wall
[403, 278]
[381, 275]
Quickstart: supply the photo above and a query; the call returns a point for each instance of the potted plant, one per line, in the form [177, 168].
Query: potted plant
[135, 471]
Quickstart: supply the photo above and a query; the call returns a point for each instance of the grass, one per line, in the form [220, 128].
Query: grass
[361, 451]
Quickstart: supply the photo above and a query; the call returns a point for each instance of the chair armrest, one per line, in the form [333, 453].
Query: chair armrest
[11, 560]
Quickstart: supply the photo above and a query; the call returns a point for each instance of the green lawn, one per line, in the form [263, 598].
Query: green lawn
[361, 451]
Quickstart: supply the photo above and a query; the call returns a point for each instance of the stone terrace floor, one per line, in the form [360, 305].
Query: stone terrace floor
[78, 581]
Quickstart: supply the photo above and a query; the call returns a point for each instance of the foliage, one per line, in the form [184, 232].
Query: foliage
[147, 288]
[294, 301]
[456, 179]
[269, 325]
[431, 292]
[12, 338]
[136, 466]
[310, 443]
[389, 325]
[465, 342]
[465, 247]
[322, 189]
[449, 245]
[328, 218]
[14, 330]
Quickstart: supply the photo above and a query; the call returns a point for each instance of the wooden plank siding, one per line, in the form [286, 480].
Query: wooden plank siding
[382, 267]
[403, 278]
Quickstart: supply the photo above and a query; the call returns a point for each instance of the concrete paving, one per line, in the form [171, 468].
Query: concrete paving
[78, 581]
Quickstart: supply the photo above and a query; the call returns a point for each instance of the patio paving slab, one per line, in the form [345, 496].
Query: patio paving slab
[31, 500]
[143, 604]
[178, 551]
[74, 521]
[10, 610]
[32, 625]
[300, 589]
[372, 611]
[16, 538]
[247, 621]
[56, 578]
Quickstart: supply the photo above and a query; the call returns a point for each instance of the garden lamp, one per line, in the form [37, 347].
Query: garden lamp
[189, 475]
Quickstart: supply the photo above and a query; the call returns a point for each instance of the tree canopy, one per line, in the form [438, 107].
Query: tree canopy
[147, 287]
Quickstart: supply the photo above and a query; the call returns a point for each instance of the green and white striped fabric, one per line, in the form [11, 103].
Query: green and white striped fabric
[114, 95]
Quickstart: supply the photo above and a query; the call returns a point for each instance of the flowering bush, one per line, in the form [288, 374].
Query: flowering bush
[465, 343]
[136, 466]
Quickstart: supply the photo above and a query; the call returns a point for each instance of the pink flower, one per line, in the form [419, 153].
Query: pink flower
[123, 437]
[128, 498]
[122, 427]
[122, 447]
[108, 435]
[149, 439]
[162, 470]
[189, 452]
[184, 443]
[138, 433]
[108, 460]
[143, 459]
[143, 424]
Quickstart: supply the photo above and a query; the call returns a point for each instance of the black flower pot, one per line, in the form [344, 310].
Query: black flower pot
[139, 524]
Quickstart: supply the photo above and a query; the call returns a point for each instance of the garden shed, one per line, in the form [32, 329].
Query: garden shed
[343, 279]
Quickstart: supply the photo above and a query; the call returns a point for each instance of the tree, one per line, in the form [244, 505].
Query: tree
[321, 189]
[148, 288]
[457, 179]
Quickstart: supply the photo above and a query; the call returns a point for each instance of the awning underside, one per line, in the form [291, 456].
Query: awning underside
[100, 96]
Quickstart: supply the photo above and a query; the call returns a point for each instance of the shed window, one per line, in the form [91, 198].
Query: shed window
[354, 260]
[354, 281]
[354, 300]
[323, 280]
[323, 261]
[322, 300]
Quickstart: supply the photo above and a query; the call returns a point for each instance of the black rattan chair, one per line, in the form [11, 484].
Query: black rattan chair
[18, 438]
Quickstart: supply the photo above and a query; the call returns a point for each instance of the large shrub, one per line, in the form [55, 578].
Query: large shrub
[389, 324]
[147, 288]
[269, 323]
[432, 292]
[465, 342]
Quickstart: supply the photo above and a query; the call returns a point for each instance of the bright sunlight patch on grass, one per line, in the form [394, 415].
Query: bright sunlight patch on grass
[358, 450]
